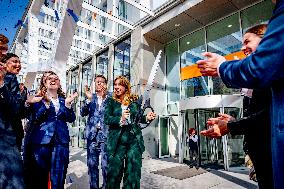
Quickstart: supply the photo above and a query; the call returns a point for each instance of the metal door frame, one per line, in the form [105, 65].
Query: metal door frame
[206, 102]
[159, 136]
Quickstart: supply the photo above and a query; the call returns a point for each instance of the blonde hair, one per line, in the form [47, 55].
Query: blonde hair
[128, 96]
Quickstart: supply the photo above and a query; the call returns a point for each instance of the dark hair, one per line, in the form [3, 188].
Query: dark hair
[101, 76]
[3, 39]
[258, 30]
[7, 56]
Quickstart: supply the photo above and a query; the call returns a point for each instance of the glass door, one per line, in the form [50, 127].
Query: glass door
[211, 150]
[164, 129]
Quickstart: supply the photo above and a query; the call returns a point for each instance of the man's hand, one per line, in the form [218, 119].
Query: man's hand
[217, 128]
[208, 67]
[2, 73]
[88, 92]
[226, 117]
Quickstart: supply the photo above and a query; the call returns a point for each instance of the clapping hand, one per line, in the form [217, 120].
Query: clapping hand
[70, 99]
[217, 126]
[88, 92]
[33, 99]
[2, 73]
[208, 67]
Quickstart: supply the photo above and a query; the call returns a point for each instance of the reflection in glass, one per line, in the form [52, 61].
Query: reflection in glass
[74, 80]
[86, 75]
[224, 37]
[122, 59]
[102, 64]
[191, 47]
[173, 68]
[86, 80]
[257, 14]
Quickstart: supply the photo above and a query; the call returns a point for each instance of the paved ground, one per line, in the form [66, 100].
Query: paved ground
[77, 176]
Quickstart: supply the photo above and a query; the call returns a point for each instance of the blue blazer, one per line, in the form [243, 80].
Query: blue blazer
[265, 68]
[94, 117]
[49, 124]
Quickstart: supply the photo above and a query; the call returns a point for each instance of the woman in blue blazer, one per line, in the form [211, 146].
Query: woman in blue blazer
[50, 137]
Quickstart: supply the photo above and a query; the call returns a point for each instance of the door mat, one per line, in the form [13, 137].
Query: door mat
[180, 172]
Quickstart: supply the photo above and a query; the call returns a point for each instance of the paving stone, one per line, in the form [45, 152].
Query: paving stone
[77, 176]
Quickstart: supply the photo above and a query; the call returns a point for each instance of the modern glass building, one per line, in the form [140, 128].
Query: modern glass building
[123, 38]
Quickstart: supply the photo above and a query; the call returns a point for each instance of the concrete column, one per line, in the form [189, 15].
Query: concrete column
[136, 61]
[94, 64]
[110, 66]
[112, 6]
[142, 56]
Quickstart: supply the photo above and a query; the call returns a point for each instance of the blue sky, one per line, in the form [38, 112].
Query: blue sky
[10, 12]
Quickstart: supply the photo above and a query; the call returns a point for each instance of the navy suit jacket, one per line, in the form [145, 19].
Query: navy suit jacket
[48, 123]
[265, 68]
[9, 107]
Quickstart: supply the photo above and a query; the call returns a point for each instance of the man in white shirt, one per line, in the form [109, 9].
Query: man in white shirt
[96, 130]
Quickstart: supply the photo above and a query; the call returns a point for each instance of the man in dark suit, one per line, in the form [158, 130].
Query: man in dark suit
[264, 68]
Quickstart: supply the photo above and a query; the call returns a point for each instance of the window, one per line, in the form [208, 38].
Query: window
[173, 68]
[257, 14]
[122, 59]
[224, 37]
[191, 47]
[102, 64]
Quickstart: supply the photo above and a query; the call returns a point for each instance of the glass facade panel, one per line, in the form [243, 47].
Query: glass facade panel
[191, 47]
[164, 136]
[257, 14]
[102, 64]
[224, 37]
[236, 155]
[81, 121]
[74, 80]
[122, 59]
[173, 68]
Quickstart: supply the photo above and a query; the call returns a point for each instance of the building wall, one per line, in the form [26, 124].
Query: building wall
[167, 89]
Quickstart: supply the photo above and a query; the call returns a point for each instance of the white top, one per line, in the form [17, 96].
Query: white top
[56, 104]
[100, 101]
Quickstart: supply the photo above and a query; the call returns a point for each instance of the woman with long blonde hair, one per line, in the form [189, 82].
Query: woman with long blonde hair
[125, 141]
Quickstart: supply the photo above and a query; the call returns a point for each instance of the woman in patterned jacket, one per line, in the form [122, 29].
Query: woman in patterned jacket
[125, 141]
